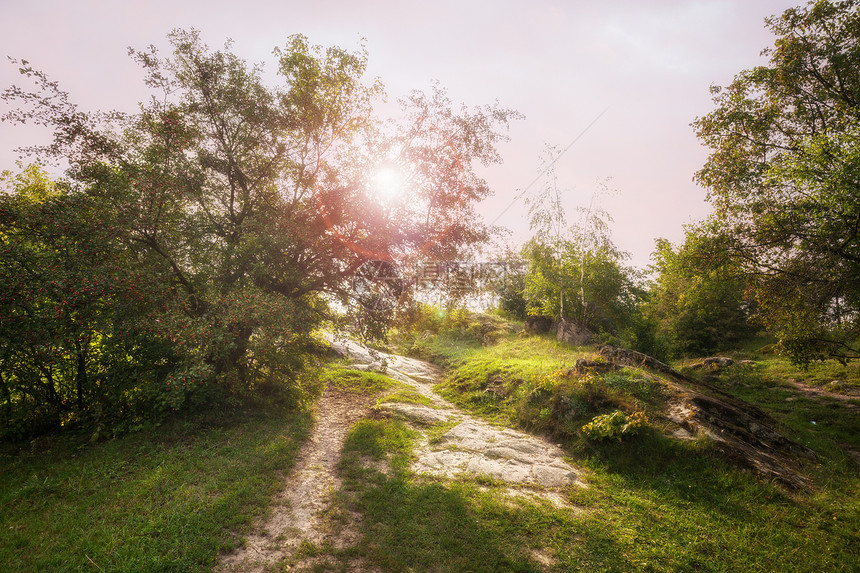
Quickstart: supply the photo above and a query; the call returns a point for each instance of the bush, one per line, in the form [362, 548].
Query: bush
[616, 425]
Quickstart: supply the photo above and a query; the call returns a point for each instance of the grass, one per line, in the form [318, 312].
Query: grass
[678, 508]
[417, 524]
[173, 498]
[164, 499]
[826, 425]
[778, 369]
[339, 376]
[525, 382]
[170, 498]
[653, 503]
[818, 373]
[406, 395]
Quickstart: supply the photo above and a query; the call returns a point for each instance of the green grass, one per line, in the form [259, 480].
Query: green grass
[412, 524]
[173, 498]
[818, 373]
[165, 499]
[777, 369]
[525, 382]
[822, 423]
[653, 503]
[407, 395]
[492, 380]
[339, 376]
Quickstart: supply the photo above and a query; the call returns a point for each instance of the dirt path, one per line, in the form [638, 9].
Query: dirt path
[848, 400]
[470, 446]
[296, 514]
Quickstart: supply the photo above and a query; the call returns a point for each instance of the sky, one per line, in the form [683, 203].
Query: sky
[620, 80]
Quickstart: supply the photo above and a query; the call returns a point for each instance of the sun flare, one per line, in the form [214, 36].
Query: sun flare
[388, 182]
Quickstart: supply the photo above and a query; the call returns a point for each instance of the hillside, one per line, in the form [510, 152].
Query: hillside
[511, 453]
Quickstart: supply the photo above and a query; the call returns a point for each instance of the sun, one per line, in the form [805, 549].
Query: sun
[388, 182]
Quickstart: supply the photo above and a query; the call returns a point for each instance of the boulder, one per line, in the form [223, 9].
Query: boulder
[538, 324]
[572, 333]
[713, 364]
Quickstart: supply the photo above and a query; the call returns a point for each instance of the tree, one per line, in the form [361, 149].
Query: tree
[783, 177]
[575, 271]
[698, 299]
[251, 206]
[71, 344]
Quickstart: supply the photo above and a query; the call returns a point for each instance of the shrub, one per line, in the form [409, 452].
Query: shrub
[616, 425]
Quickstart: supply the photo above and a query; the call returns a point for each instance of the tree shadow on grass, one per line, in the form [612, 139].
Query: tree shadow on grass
[686, 473]
[410, 523]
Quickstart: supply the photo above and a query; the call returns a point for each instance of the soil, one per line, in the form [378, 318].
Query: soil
[297, 514]
[849, 398]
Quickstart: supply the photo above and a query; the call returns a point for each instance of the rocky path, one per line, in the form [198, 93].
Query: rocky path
[470, 446]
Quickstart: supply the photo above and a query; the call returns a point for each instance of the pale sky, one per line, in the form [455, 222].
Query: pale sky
[648, 63]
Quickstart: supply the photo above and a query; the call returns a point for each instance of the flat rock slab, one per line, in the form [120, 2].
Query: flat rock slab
[416, 413]
[473, 446]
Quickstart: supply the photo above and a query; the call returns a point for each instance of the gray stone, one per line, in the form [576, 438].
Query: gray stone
[416, 413]
[572, 333]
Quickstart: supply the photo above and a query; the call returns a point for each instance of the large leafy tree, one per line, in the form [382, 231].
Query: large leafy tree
[698, 300]
[784, 176]
[252, 205]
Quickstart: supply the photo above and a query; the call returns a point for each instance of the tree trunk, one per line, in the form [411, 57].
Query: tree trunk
[81, 375]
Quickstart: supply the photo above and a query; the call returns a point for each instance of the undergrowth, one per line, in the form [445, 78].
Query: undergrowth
[529, 382]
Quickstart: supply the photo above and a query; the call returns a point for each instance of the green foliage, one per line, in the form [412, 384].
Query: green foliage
[617, 425]
[575, 271]
[698, 299]
[782, 176]
[552, 286]
[418, 323]
[509, 286]
[74, 346]
[193, 247]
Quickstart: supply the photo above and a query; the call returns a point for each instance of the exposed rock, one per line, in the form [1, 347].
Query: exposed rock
[741, 430]
[538, 324]
[572, 333]
[472, 446]
[713, 364]
[834, 386]
[627, 357]
[584, 366]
